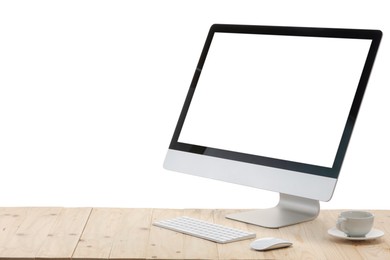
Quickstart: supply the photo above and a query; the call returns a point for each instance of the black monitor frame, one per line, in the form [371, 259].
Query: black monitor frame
[333, 172]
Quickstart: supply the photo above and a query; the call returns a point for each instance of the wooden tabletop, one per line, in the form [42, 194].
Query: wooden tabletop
[119, 233]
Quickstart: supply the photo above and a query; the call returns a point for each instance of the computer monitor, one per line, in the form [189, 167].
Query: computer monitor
[273, 108]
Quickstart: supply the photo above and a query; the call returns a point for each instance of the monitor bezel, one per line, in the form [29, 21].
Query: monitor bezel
[332, 172]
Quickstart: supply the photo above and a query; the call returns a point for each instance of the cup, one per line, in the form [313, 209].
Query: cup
[355, 223]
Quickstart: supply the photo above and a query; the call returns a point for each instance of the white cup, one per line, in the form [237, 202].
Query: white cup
[355, 223]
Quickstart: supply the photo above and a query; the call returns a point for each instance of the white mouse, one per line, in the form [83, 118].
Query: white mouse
[268, 243]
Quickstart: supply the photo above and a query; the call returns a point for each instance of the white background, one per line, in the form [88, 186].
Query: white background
[90, 92]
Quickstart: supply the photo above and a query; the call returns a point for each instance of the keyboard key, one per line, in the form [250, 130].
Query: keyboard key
[205, 230]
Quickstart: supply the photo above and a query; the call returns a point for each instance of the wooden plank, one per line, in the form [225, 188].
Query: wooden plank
[163, 243]
[98, 236]
[29, 233]
[132, 238]
[51, 233]
[10, 220]
[306, 237]
[65, 233]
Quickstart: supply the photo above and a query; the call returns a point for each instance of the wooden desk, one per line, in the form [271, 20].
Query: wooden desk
[112, 233]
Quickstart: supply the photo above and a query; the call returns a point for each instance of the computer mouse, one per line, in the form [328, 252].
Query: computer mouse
[268, 243]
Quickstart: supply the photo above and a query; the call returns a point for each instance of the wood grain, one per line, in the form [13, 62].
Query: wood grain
[132, 238]
[65, 233]
[28, 232]
[99, 233]
[113, 233]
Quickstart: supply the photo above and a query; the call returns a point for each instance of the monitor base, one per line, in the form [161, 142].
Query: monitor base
[289, 211]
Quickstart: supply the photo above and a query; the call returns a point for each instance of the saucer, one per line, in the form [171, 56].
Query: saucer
[373, 234]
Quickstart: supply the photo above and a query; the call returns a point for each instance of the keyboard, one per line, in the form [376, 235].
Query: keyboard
[206, 230]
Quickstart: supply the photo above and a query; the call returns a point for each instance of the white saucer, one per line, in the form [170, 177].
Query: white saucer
[373, 234]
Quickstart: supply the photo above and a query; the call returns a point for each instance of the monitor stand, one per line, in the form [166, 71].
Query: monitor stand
[289, 211]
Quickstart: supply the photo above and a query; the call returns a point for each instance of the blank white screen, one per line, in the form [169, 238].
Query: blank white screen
[282, 97]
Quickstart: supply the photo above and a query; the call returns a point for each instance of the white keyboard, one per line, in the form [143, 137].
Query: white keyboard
[205, 230]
